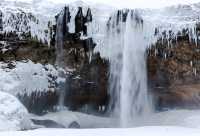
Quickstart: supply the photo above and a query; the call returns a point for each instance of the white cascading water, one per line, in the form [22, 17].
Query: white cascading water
[59, 40]
[133, 81]
[128, 79]
[125, 45]
[60, 59]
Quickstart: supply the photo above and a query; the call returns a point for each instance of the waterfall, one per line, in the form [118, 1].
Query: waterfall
[133, 94]
[129, 34]
[61, 33]
[128, 77]
[125, 40]
[59, 40]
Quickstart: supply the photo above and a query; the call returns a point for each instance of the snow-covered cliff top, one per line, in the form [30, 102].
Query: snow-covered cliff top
[119, 3]
[34, 16]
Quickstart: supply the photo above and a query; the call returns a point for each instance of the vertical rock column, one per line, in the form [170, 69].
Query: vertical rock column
[79, 21]
[1, 21]
[66, 20]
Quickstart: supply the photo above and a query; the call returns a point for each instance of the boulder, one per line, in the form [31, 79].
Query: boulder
[13, 115]
[47, 123]
[74, 125]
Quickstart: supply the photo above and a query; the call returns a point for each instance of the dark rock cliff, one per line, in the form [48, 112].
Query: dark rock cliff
[87, 79]
[173, 71]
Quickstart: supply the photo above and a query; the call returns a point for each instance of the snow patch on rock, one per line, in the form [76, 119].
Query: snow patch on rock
[27, 77]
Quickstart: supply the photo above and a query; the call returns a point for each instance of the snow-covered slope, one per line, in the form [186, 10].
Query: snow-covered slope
[26, 77]
[13, 115]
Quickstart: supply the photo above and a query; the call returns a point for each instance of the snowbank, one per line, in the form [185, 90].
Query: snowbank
[13, 115]
[26, 77]
[143, 131]
[66, 117]
[182, 118]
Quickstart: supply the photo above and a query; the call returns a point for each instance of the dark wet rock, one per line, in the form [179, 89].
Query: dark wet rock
[74, 125]
[87, 82]
[122, 15]
[91, 87]
[39, 102]
[179, 96]
[79, 21]
[173, 71]
[88, 17]
[47, 123]
[1, 21]
[66, 20]
[88, 45]
[177, 64]
[24, 50]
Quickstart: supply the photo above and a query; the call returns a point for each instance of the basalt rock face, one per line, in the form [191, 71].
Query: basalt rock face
[20, 38]
[173, 71]
[87, 72]
[1, 21]
[87, 84]
[20, 45]
[26, 49]
[90, 87]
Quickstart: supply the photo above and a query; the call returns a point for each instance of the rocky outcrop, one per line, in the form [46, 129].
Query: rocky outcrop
[179, 96]
[87, 72]
[1, 21]
[87, 84]
[40, 102]
[173, 71]
[81, 20]
[15, 49]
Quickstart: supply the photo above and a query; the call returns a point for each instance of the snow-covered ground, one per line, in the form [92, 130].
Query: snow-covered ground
[66, 117]
[142, 131]
[26, 77]
[14, 116]
[183, 118]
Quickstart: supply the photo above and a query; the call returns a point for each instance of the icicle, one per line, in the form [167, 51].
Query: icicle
[165, 56]
[156, 52]
[195, 71]
[191, 63]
